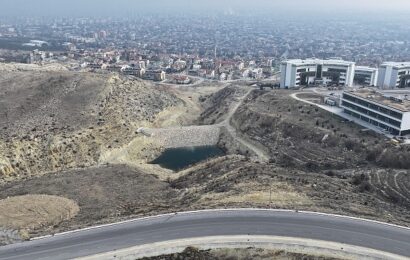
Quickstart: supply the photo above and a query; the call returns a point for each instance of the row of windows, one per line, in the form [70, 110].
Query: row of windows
[406, 132]
[372, 114]
[373, 106]
[373, 122]
[337, 70]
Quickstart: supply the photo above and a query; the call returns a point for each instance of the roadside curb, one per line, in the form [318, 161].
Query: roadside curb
[219, 210]
[312, 247]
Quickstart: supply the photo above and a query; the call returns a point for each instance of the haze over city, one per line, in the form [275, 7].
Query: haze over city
[130, 7]
[217, 129]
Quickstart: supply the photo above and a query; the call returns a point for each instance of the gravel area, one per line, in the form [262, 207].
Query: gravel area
[8, 236]
[184, 136]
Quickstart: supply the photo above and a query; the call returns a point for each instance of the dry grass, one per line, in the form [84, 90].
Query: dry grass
[280, 195]
[34, 211]
[240, 254]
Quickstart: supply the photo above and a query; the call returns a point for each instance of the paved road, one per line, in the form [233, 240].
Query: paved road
[210, 223]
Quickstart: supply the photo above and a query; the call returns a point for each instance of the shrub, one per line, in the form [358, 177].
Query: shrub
[358, 179]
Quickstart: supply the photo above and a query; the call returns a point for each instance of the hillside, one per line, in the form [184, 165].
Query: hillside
[53, 121]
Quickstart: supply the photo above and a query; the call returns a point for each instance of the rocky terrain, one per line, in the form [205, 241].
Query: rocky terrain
[58, 121]
[75, 136]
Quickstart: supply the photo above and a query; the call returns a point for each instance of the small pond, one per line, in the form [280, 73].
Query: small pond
[179, 158]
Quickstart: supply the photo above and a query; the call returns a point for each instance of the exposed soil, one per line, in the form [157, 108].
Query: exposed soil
[103, 194]
[216, 107]
[238, 182]
[111, 193]
[33, 211]
[316, 161]
[303, 136]
[63, 120]
[191, 253]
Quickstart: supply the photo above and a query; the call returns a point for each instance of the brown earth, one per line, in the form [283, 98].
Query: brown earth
[301, 135]
[30, 212]
[317, 161]
[111, 193]
[103, 194]
[191, 253]
[63, 120]
[33, 211]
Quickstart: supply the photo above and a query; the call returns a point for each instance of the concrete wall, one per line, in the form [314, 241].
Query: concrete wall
[381, 78]
[405, 124]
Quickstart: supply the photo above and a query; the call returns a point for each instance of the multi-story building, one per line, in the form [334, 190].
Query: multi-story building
[365, 76]
[394, 75]
[296, 73]
[155, 75]
[390, 112]
[133, 71]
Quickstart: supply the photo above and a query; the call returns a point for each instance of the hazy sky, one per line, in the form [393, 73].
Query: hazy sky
[121, 7]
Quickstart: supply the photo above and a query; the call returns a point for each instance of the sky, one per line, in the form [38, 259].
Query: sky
[123, 7]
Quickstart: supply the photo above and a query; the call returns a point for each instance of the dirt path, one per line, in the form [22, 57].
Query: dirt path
[262, 155]
[171, 134]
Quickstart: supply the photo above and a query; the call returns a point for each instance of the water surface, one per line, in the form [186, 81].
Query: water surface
[179, 158]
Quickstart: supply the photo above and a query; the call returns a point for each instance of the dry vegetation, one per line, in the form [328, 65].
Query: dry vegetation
[62, 130]
[34, 211]
[103, 194]
[327, 150]
[110, 193]
[31, 212]
[192, 253]
[304, 136]
[63, 120]
[216, 106]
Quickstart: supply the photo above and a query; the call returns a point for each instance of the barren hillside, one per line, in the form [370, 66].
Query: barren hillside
[52, 121]
[317, 161]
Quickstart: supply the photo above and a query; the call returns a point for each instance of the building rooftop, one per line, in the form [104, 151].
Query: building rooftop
[396, 100]
[398, 65]
[364, 68]
[299, 62]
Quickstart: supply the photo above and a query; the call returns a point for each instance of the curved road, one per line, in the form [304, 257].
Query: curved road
[356, 232]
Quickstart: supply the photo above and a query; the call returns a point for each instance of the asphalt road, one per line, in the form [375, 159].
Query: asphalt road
[374, 235]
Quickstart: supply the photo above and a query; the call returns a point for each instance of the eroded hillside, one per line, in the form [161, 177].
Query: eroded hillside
[62, 120]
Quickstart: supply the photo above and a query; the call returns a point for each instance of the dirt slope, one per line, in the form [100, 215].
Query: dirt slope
[63, 120]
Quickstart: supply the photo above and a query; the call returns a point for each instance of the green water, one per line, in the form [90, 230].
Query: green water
[179, 158]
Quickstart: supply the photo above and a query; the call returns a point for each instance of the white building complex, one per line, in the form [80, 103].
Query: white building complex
[366, 76]
[296, 73]
[390, 112]
[394, 75]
